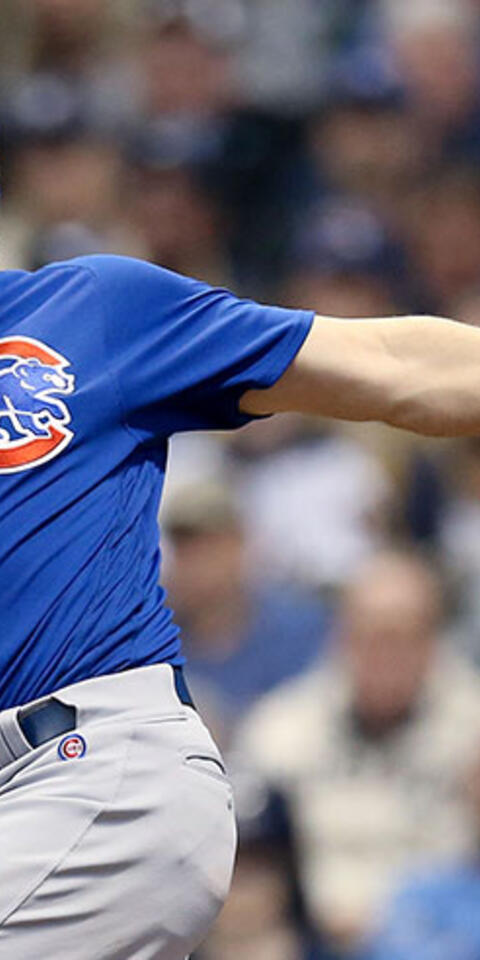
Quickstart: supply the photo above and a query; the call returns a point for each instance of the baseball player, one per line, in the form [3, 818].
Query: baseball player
[117, 833]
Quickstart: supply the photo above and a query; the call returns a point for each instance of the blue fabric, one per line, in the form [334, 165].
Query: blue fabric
[101, 360]
[286, 633]
[435, 916]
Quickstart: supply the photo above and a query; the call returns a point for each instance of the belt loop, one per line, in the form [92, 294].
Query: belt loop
[6, 755]
[13, 744]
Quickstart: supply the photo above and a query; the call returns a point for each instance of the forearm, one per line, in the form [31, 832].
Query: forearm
[435, 387]
[418, 373]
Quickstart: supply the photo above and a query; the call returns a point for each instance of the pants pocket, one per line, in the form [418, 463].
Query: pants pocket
[206, 765]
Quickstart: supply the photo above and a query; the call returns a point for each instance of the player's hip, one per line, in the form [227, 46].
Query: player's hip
[79, 729]
[135, 795]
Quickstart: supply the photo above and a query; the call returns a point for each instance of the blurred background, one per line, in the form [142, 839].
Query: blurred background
[323, 154]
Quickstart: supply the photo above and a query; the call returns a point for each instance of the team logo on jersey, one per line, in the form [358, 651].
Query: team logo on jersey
[33, 420]
[72, 747]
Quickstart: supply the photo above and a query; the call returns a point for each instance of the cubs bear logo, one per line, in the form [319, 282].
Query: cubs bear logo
[33, 420]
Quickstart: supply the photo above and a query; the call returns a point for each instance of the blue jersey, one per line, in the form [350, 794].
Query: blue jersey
[102, 359]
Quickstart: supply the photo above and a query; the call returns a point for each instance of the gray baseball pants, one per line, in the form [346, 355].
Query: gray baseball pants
[120, 850]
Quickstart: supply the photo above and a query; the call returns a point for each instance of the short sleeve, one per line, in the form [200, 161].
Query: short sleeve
[183, 353]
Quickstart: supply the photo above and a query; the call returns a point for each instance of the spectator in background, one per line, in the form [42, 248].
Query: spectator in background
[57, 34]
[186, 69]
[74, 176]
[367, 750]
[260, 181]
[433, 914]
[59, 170]
[316, 503]
[343, 261]
[64, 35]
[169, 203]
[83, 44]
[366, 145]
[460, 538]
[283, 69]
[243, 636]
[436, 47]
[440, 216]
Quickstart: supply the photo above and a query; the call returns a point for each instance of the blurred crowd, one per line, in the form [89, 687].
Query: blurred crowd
[322, 154]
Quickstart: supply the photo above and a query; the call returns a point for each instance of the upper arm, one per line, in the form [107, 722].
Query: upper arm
[183, 353]
[343, 370]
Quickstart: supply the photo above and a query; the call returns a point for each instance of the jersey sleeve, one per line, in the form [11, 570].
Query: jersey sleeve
[183, 353]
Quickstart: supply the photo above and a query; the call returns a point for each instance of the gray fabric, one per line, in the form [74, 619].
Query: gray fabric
[127, 852]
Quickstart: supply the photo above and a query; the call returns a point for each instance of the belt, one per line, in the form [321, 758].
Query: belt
[51, 718]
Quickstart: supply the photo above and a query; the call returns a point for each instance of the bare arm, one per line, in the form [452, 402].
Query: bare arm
[418, 373]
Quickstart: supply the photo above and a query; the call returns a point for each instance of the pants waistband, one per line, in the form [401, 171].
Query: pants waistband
[160, 689]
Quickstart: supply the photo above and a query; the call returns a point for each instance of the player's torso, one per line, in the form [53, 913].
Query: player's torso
[78, 497]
